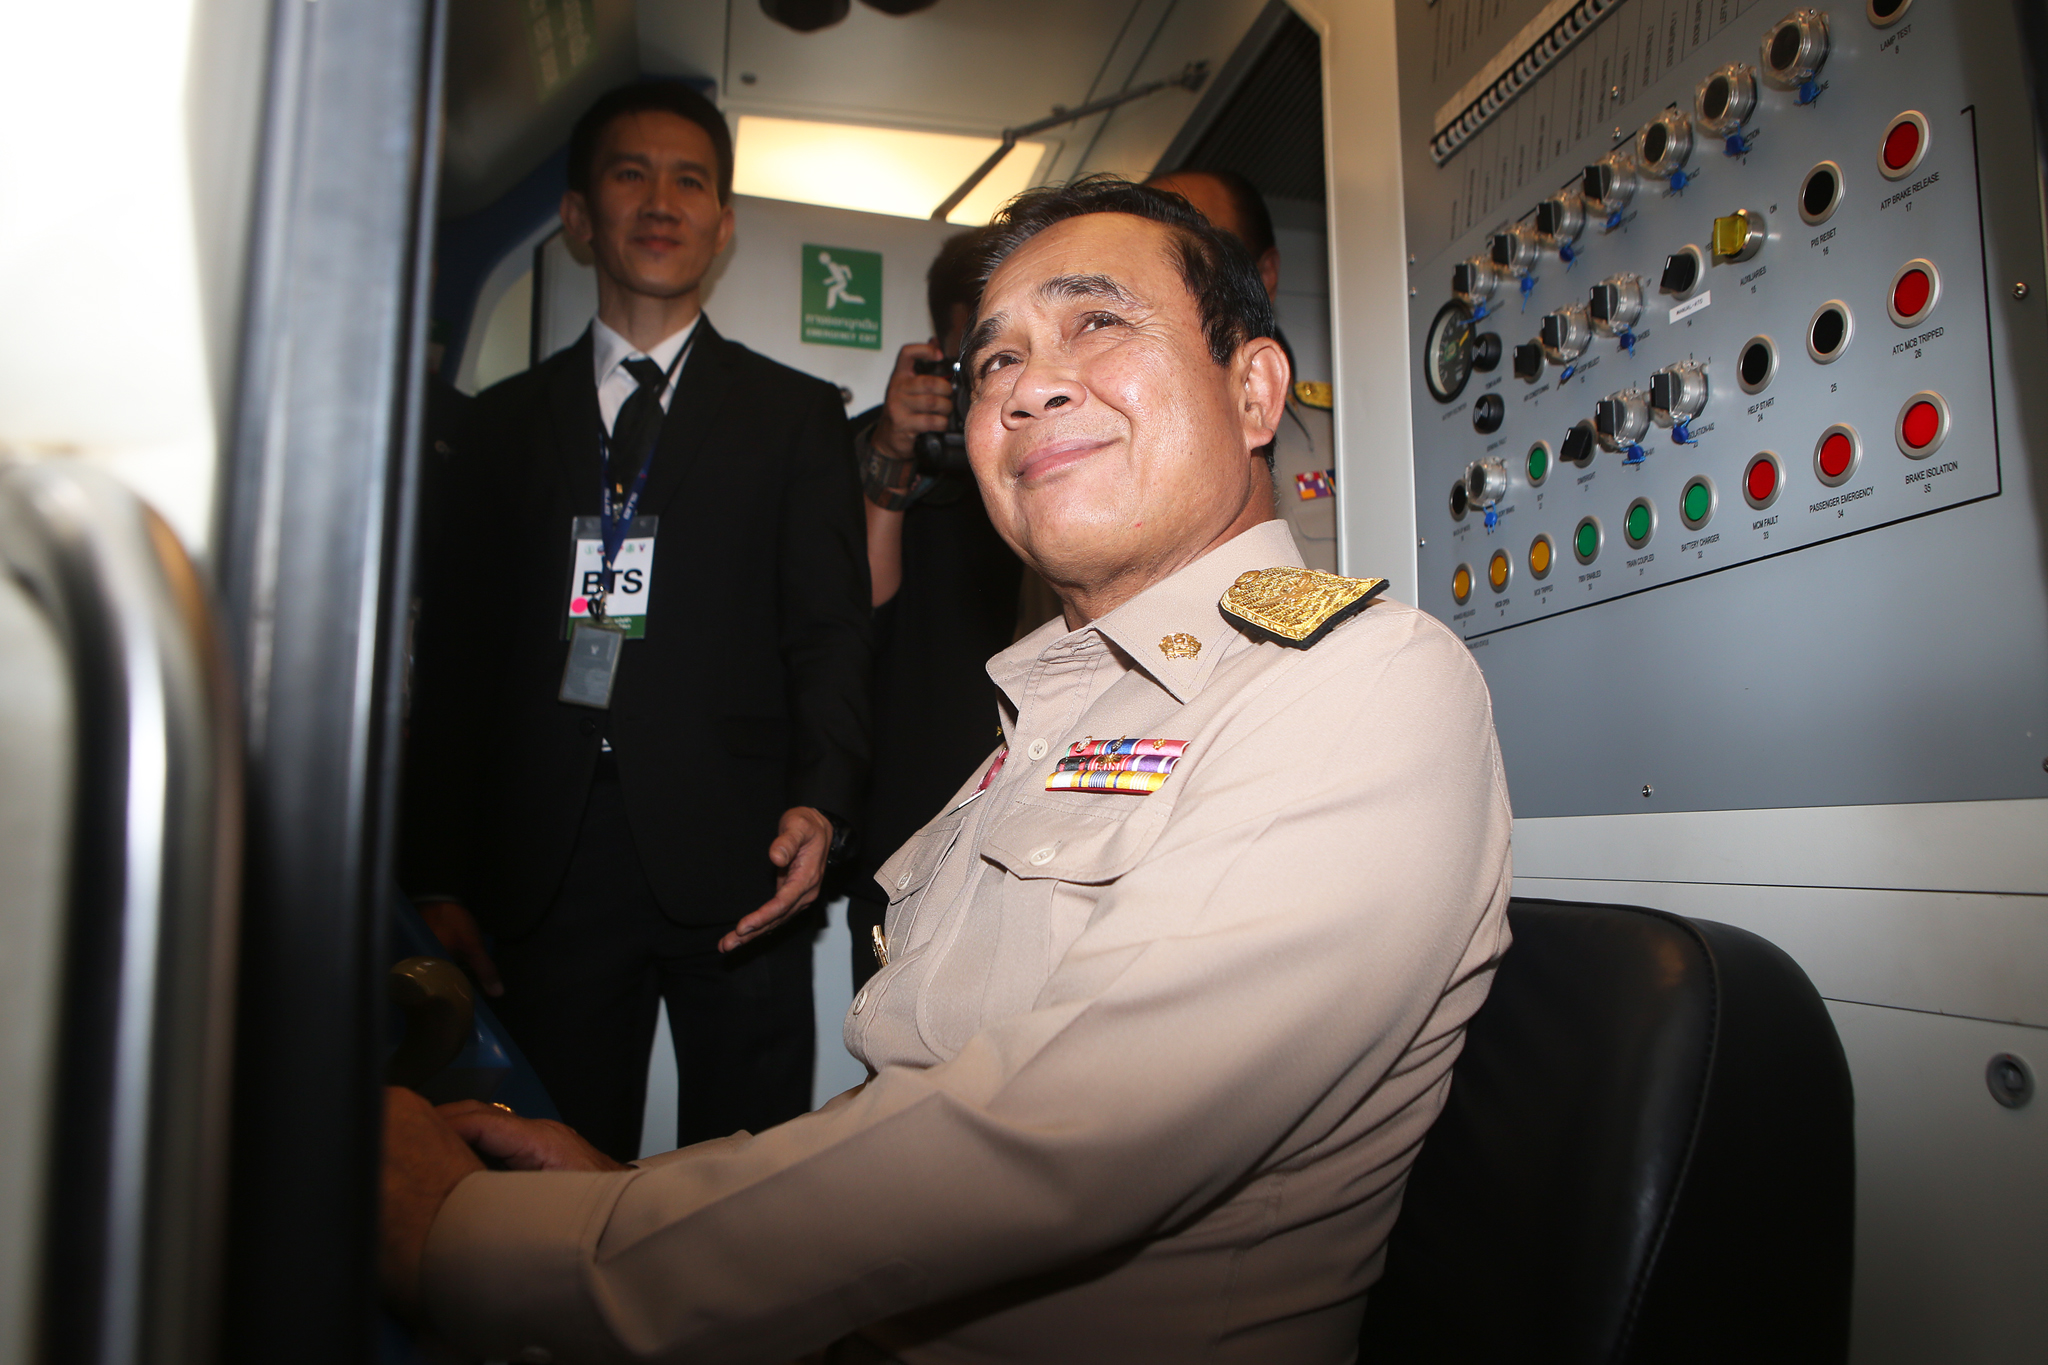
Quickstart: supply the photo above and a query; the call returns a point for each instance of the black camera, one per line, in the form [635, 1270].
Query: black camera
[943, 452]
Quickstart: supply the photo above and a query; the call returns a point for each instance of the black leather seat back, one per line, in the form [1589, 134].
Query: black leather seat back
[1646, 1156]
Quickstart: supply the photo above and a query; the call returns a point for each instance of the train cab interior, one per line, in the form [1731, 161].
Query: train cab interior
[1687, 359]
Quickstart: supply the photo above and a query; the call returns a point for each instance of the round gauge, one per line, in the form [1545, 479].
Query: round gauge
[1447, 352]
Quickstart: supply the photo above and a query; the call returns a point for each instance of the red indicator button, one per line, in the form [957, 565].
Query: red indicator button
[1763, 481]
[1836, 453]
[1921, 425]
[1910, 294]
[1900, 144]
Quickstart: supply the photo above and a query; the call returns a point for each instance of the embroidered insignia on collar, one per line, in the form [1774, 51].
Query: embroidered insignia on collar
[1139, 766]
[1296, 606]
[1310, 394]
[1180, 646]
[1316, 484]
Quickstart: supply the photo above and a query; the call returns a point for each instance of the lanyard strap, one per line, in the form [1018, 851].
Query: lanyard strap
[615, 521]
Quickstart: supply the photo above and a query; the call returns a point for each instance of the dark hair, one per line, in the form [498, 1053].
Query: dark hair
[646, 97]
[954, 278]
[1214, 265]
[1246, 203]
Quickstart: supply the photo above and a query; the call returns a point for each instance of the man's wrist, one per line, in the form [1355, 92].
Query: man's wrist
[890, 482]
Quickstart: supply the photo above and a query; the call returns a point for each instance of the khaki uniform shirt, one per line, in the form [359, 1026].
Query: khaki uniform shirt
[1304, 444]
[1149, 1070]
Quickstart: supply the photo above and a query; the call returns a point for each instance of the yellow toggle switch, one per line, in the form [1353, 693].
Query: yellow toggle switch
[1739, 236]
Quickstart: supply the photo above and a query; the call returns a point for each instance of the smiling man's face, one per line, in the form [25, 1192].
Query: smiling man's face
[651, 216]
[1111, 449]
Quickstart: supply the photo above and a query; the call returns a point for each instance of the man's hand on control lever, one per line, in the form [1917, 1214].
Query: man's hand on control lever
[427, 1153]
[457, 930]
[915, 402]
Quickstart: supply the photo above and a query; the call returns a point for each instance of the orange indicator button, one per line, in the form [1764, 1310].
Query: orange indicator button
[1539, 556]
[1461, 582]
[1497, 570]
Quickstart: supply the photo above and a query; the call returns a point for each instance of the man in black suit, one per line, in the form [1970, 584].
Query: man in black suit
[685, 509]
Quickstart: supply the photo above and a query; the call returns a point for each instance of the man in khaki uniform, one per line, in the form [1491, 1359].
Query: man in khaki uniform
[1304, 444]
[1174, 981]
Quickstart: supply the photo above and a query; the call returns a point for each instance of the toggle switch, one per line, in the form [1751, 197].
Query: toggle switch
[1682, 271]
[1616, 304]
[1529, 361]
[1678, 392]
[1609, 183]
[1513, 251]
[1579, 444]
[1738, 236]
[1488, 412]
[1474, 281]
[1560, 219]
[1621, 419]
[1565, 333]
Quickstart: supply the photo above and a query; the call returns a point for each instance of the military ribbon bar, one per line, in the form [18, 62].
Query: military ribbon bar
[1140, 766]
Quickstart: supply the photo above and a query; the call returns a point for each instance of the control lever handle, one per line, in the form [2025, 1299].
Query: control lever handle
[439, 1011]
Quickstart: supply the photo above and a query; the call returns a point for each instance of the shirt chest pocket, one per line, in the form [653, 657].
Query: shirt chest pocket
[908, 873]
[1078, 837]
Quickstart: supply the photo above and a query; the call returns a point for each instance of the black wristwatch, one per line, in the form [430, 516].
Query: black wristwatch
[842, 839]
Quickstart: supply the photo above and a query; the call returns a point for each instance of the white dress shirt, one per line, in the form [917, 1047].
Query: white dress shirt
[615, 383]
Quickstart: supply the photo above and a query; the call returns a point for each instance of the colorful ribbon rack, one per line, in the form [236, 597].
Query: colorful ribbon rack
[1139, 766]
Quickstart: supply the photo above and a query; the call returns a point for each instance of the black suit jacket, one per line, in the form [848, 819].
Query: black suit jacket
[748, 695]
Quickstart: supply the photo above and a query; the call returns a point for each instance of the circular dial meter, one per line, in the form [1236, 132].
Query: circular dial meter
[1447, 352]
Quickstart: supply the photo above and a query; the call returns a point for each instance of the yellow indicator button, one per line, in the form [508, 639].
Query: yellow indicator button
[1461, 583]
[1497, 570]
[1731, 234]
[1539, 556]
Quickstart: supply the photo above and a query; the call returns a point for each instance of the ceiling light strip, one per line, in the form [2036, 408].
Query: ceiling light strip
[1513, 69]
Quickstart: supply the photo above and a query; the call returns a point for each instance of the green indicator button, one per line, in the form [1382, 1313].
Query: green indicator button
[1587, 540]
[1638, 523]
[1539, 463]
[1698, 501]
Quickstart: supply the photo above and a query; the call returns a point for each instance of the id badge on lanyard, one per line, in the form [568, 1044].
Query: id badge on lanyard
[597, 642]
[611, 579]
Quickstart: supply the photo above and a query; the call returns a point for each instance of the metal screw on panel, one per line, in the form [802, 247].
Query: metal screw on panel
[2010, 1079]
[2019, 290]
[1646, 791]
[1421, 541]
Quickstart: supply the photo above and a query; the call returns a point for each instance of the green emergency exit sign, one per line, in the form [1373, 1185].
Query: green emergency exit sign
[842, 297]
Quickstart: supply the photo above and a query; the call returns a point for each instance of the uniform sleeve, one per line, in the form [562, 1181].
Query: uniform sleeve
[1332, 872]
[826, 631]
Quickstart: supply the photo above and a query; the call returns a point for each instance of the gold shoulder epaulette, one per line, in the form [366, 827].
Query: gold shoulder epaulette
[1311, 394]
[1296, 606]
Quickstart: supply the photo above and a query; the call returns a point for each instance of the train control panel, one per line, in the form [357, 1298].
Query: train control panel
[1699, 285]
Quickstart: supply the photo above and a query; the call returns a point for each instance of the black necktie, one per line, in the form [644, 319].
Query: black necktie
[638, 425]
